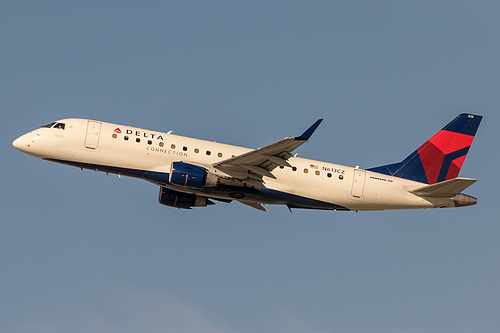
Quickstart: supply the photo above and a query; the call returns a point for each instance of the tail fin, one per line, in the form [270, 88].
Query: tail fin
[441, 157]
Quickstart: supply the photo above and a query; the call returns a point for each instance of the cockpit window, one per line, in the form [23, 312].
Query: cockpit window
[49, 125]
[55, 125]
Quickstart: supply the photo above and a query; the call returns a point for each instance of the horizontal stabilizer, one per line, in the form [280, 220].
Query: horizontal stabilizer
[446, 189]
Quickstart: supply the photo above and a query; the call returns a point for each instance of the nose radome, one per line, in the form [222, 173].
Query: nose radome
[17, 143]
[21, 143]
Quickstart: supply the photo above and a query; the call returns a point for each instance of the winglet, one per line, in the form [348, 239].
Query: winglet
[307, 134]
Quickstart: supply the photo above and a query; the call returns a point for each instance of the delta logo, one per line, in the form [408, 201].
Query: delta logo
[140, 134]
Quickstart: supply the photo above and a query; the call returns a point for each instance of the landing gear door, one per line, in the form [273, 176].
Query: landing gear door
[92, 136]
[358, 183]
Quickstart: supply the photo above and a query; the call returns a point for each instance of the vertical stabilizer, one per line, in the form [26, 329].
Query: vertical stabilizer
[441, 157]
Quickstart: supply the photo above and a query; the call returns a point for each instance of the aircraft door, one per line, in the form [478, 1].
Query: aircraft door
[92, 136]
[358, 183]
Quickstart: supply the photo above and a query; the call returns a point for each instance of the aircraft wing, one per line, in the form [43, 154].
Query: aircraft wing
[260, 162]
[447, 189]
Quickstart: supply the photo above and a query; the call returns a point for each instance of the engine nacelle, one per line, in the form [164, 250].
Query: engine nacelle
[181, 200]
[186, 174]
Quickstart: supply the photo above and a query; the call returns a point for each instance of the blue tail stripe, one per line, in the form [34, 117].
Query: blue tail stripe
[447, 162]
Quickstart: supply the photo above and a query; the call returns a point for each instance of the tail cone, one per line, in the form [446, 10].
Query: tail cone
[462, 200]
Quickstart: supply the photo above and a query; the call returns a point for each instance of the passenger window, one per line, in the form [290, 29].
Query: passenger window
[172, 146]
[306, 170]
[137, 140]
[317, 173]
[341, 177]
[208, 152]
[329, 175]
[219, 154]
[196, 150]
[150, 142]
[125, 138]
[161, 144]
[294, 168]
[114, 136]
[185, 148]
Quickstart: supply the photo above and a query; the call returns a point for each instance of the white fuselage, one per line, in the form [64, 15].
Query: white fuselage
[132, 151]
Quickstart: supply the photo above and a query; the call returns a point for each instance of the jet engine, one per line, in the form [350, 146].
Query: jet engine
[186, 174]
[182, 200]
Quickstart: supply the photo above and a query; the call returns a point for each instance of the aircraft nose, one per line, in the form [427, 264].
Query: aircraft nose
[17, 143]
[22, 143]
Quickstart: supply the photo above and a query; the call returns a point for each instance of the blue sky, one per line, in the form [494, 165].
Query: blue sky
[82, 251]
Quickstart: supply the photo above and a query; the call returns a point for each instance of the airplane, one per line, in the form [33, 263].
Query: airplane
[195, 173]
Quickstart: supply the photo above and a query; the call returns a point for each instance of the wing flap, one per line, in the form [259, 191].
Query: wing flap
[259, 171]
[447, 189]
[255, 205]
